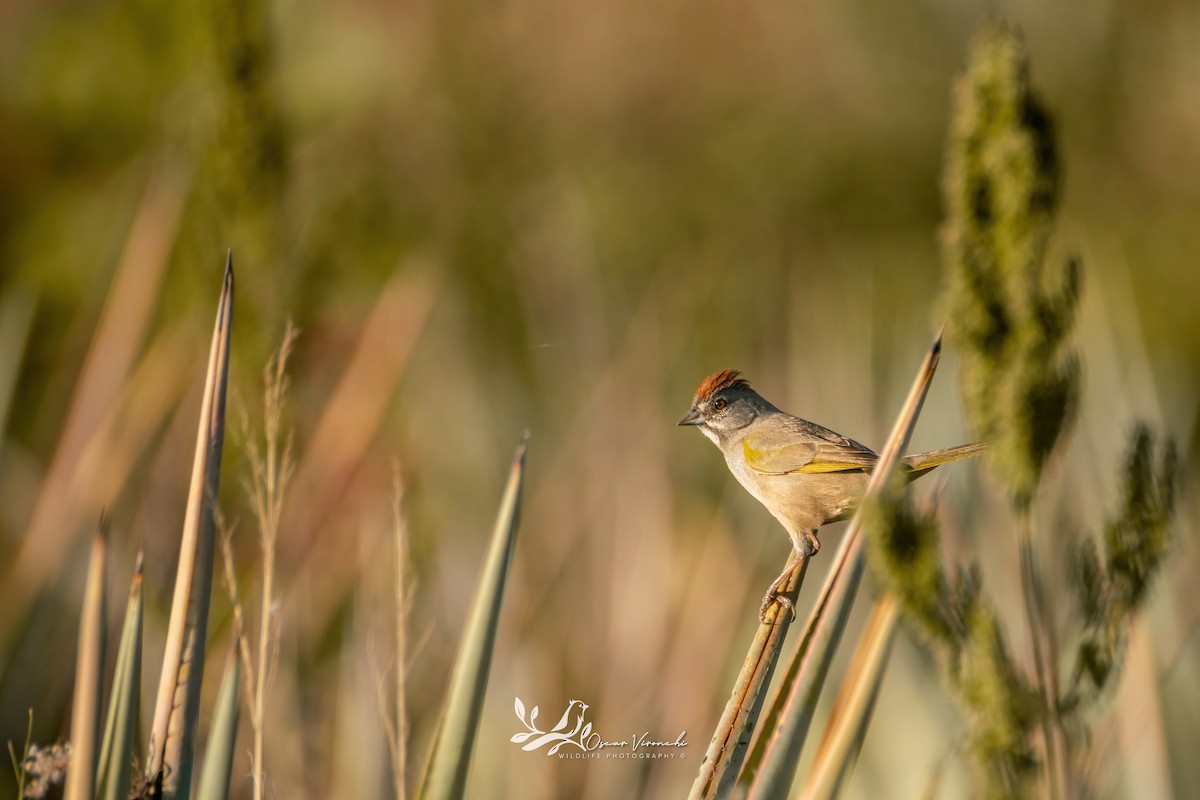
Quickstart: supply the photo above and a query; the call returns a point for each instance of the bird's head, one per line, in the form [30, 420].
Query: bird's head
[724, 404]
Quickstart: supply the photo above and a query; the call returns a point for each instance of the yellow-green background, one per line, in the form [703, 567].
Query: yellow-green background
[560, 216]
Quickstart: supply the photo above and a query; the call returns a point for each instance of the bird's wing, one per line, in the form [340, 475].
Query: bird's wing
[811, 449]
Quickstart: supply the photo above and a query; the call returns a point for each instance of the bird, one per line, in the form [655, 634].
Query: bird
[805, 474]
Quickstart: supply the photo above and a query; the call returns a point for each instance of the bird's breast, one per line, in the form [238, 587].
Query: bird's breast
[802, 501]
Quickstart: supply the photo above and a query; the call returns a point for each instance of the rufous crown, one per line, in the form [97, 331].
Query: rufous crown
[718, 381]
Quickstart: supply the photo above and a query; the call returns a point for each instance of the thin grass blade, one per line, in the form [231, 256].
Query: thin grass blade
[89, 672]
[116, 752]
[725, 751]
[847, 727]
[450, 757]
[782, 745]
[217, 771]
[172, 737]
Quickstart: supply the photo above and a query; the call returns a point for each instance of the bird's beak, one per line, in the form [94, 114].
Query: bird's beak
[692, 417]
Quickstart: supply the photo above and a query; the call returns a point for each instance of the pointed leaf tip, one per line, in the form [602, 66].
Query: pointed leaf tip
[225, 303]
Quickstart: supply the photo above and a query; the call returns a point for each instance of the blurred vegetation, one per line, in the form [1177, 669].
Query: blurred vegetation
[1135, 543]
[968, 640]
[1008, 306]
[560, 217]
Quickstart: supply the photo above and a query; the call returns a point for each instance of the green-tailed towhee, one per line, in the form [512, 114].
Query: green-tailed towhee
[806, 475]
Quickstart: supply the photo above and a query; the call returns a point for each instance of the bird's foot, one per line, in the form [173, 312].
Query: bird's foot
[773, 596]
[776, 592]
[806, 547]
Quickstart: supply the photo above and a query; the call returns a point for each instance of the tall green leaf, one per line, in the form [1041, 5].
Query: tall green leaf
[450, 757]
[116, 753]
[217, 770]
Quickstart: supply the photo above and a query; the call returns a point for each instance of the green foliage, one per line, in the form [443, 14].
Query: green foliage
[449, 761]
[1135, 542]
[119, 744]
[240, 150]
[904, 548]
[217, 770]
[1137, 539]
[1002, 707]
[966, 638]
[19, 764]
[1009, 307]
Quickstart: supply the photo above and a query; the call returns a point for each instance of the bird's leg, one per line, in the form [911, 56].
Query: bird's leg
[804, 545]
[775, 592]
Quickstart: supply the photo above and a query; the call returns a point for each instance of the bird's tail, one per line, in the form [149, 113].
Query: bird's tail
[920, 463]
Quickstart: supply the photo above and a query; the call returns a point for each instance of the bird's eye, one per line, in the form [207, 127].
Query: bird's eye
[720, 403]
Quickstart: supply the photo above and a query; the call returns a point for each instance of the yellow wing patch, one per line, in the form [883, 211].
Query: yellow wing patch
[817, 467]
[805, 458]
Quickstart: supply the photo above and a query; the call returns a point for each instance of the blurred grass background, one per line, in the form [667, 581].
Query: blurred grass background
[557, 216]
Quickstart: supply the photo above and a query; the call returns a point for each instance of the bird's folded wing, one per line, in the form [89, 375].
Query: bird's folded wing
[771, 458]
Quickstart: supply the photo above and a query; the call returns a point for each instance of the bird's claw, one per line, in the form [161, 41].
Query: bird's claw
[772, 596]
[806, 546]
